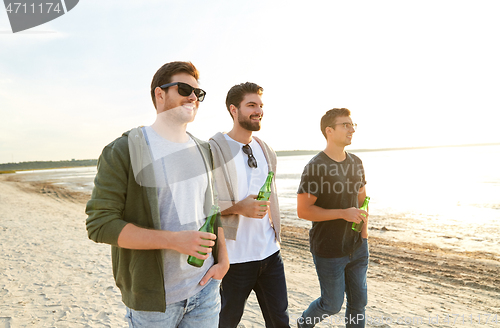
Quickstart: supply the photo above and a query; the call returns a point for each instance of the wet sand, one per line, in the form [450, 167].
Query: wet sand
[52, 275]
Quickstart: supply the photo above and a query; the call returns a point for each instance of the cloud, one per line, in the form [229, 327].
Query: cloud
[43, 33]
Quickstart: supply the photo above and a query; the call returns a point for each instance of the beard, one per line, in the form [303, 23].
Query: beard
[247, 124]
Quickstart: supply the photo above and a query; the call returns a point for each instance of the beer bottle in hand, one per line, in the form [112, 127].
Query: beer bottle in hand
[208, 226]
[357, 226]
[265, 191]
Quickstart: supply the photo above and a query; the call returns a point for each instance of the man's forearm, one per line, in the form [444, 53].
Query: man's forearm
[249, 207]
[317, 214]
[222, 255]
[134, 237]
[229, 211]
[364, 229]
[185, 242]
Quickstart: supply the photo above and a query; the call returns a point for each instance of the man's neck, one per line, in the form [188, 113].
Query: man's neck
[335, 152]
[170, 129]
[240, 134]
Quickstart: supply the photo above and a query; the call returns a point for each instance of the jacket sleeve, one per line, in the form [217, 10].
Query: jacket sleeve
[223, 186]
[105, 208]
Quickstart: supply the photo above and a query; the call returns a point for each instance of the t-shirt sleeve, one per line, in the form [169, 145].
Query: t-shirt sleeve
[309, 182]
[362, 173]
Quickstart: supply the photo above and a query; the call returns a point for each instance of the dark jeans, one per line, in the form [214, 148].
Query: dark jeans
[339, 276]
[267, 279]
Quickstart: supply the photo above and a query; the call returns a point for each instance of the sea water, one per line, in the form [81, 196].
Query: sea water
[449, 197]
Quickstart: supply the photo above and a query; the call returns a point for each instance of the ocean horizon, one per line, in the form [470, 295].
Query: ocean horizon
[292, 152]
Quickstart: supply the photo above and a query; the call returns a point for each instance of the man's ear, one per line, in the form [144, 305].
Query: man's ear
[233, 110]
[160, 96]
[328, 130]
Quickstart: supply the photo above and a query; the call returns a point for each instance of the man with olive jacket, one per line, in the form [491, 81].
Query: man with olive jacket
[153, 190]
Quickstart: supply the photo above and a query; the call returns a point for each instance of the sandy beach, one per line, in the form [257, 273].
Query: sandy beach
[52, 275]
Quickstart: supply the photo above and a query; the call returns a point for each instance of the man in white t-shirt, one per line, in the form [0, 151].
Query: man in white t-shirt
[251, 227]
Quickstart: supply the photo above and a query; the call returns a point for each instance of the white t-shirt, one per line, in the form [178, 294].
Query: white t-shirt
[182, 181]
[255, 239]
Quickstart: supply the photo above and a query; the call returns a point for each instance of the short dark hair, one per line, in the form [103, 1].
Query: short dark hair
[330, 116]
[236, 94]
[165, 73]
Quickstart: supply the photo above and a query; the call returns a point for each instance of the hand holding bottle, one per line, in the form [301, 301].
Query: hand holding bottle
[255, 206]
[357, 226]
[252, 208]
[354, 215]
[208, 230]
[192, 242]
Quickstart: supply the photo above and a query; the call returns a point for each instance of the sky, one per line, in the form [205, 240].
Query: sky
[423, 73]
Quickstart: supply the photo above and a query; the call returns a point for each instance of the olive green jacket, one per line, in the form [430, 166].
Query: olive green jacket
[124, 192]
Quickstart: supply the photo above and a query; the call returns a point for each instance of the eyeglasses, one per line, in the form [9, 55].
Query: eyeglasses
[252, 162]
[185, 90]
[354, 126]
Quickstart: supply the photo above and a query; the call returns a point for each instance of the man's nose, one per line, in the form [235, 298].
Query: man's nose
[192, 96]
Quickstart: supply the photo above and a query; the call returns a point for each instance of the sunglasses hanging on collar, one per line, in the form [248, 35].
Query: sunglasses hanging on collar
[252, 162]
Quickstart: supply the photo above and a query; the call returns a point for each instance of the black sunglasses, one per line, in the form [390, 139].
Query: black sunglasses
[252, 162]
[185, 90]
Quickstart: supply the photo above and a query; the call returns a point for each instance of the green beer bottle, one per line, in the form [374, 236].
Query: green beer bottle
[208, 226]
[265, 191]
[357, 226]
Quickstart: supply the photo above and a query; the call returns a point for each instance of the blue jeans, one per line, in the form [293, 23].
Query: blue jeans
[338, 276]
[200, 310]
[267, 279]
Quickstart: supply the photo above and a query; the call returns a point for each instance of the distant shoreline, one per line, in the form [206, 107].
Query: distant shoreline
[46, 165]
[311, 152]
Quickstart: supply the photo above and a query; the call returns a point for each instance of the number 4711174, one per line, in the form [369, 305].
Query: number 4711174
[19, 7]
